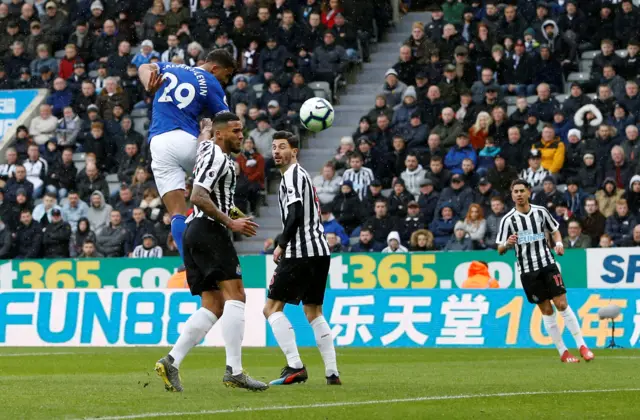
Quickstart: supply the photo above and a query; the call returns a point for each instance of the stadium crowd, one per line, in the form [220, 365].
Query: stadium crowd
[484, 93]
[86, 53]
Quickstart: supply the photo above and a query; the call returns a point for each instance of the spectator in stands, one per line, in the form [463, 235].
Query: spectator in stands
[549, 195]
[335, 247]
[605, 101]
[89, 181]
[331, 225]
[575, 238]
[28, 237]
[274, 111]
[12, 35]
[480, 131]
[138, 227]
[34, 36]
[458, 195]
[43, 59]
[619, 226]
[575, 101]
[37, 169]
[25, 81]
[68, 128]
[415, 135]
[8, 168]
[129, 162]
[61, 97]
[346, 207]
[359, 175]
[272, 58]
[81, 234]
[428, 200]
[501, 175]
[393, 244]
[399, 199]
[367, 242]
[56, 236]
[128, 136]
[118, 61]
[632, 195]
[369, 202]
[619, 169]
[406, 67]
[297, 94]
[634, 240]
[602, 144]
[449, 130]
[403, 112]
[518, 72]
[145, 54]
[546, 105]
[86, 98]
[380, 108]
[43, 127]
[551, 149]
[341, 159]
[12, 209]
[493, 222]
[74, 209]
[152, 205]
[19, 183]
[69, 61]
[475, 225]
[148, 248]
[97, 144]
[125, 203]
[113, 239]
[462, 150]
[410, 222]
[162, 230]
[5, 241]
[460, 240]
[89, 250]
[16, 61]
[329, 60]
[111, 95]
[242, 92]
[99, 211]
[382, 223]
[421, 241]
[252, 164]
[42, 212]
[262, 135]
[437, 173]
[442, 226]
[413, 174]
[173, 48]
[5, 82]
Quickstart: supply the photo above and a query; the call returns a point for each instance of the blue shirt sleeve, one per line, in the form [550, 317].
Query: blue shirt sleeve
[216, 98]
[161, 66]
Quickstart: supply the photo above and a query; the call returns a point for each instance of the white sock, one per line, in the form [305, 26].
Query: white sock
[571, 321]
[286, 338]
[233, 334]
[196, 327]
[324, 341]
[551, 325]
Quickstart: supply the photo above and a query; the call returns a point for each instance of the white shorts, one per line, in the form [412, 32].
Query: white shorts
[172, 154]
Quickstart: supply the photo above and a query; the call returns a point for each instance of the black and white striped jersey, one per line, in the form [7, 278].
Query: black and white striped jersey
[361, 180]
[309, 241]
[216, 173]
[141, 252]
[532, 248]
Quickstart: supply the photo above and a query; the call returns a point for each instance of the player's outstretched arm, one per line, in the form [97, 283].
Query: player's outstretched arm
[201, 198]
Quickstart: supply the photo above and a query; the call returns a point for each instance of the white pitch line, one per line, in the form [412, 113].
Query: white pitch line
[358, 403]
[36, 354]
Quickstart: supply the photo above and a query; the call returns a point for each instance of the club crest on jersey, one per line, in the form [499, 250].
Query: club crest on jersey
[211, 174]
[290, 190]
[238, 270]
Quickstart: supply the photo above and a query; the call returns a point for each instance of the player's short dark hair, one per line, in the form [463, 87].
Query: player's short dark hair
[435, 158]
[381, 200]
[356, 155]
[520, 182]
[497, 198]
[89, 241]
[72, 192]
[412, 154]
[225, 118]
[50, 195]
[291, 138]
[221, 57]
[366, 229]
[25, 210]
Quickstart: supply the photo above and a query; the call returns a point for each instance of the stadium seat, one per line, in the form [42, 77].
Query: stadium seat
[135, 50]
[621, 53]
[80, 166]
[258, 88]
[111, 178]
[593, 96]
[353, 241]
[585, 66]
[561, 98]
[79, 157]
[511, 109]
[140, 124]
[93, 74]
[510, 100]
[231, 89]
[59, 54]
[578, 77]
[139, 113]
[532, 99]
[590, 55]
[321, 89]
[114, 187]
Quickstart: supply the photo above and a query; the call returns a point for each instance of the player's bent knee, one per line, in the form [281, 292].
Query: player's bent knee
[271, 307]
[212, 300]
[546, 308]
[233, 290]
[560, 302]
[312, 312]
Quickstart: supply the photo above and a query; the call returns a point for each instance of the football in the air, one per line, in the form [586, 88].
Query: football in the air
[316, 114]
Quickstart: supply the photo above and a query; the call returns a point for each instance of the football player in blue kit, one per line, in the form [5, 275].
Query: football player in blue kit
[182, 93]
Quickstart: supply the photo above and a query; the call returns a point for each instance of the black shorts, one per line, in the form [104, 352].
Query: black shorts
[300, 279]
[544, 284]
[209, 256]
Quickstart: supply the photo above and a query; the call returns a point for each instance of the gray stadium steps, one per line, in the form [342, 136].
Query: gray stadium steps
[358, 99]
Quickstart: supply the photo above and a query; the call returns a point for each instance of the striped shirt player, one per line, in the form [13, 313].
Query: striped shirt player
[309, 240]
[215, 171]
[141, 252]
[173, 136]
[303, 258]
[535, 173]
[361, 178]
[525, 228]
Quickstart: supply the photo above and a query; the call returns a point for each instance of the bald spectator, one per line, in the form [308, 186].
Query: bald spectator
[449, 129]
[43, 127]
[111, 95]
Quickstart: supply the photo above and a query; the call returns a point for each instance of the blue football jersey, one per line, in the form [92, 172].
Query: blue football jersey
[181, 99]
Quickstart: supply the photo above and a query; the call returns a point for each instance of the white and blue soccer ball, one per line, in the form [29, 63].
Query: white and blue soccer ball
[316, 114]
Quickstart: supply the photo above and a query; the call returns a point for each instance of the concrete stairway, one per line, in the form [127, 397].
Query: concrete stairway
[354, 103]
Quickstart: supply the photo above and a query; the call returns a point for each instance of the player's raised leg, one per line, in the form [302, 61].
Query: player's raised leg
[573, 325]
[294, 371]
[324, 341]
[194, 331]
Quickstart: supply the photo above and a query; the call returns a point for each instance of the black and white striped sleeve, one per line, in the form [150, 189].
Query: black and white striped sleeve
[294, 183]
[209, 165]
[550, 223]
[505, 230]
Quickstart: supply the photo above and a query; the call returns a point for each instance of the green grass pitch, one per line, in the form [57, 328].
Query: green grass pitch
[406, 384]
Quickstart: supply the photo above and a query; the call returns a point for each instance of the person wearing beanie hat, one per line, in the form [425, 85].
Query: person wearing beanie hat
[450, 86]
[574, 150]
[145, 54]
[421, 45]
[621, 118]
[148, 248]
[403, 112]
[393, 89]
[576, 100]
